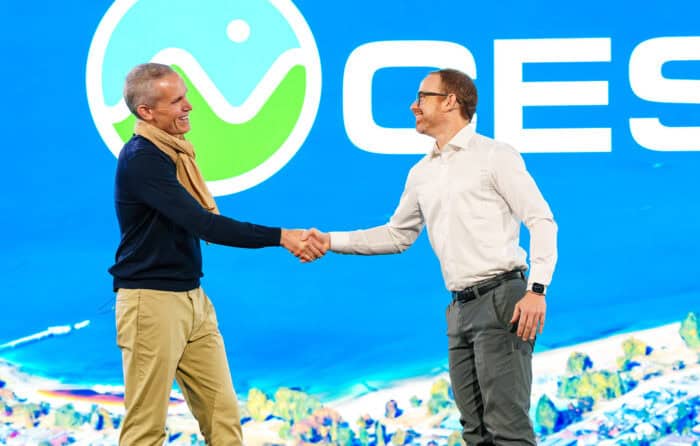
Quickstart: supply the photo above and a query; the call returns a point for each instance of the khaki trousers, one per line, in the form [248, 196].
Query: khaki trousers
[166, 335]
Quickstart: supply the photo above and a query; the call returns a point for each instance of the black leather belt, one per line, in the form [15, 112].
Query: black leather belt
[478, 289]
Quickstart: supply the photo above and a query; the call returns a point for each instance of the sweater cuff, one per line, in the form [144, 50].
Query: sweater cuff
[276, 233]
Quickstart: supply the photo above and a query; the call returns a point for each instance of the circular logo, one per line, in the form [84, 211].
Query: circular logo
[252, 71]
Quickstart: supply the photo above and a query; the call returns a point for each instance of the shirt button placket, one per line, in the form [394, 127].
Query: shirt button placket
[446, 204]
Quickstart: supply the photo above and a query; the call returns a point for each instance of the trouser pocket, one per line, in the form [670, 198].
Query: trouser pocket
[126, 311]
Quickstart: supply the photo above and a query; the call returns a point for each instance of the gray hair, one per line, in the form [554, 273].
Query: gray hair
[138, 88]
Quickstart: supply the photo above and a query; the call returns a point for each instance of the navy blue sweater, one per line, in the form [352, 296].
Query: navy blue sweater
[161, 224]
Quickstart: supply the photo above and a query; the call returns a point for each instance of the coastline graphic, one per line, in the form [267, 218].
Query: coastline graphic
[635, 388]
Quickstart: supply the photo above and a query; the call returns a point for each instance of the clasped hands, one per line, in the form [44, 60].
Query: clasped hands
[306, 244]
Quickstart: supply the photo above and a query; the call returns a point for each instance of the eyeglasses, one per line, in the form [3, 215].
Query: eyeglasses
[423, 94]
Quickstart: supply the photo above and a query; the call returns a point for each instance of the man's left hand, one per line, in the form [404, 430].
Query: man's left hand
[529, 313]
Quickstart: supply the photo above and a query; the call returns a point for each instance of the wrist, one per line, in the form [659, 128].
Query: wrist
[284, 238]
[538, 288]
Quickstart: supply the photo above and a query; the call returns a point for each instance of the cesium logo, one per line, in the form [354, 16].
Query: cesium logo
[252, 71]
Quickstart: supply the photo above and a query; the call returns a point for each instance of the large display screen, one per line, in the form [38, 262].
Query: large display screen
[301, 119]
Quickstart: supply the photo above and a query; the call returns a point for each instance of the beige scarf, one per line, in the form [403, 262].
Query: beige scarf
[182, 153]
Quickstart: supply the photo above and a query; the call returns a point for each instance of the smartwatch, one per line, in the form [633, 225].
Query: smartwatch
[538, 288]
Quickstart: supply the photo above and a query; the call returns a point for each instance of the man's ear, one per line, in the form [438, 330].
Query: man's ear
[452, 103]
[144, 112]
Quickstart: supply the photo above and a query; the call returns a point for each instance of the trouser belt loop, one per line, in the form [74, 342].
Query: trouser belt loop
[477, 295]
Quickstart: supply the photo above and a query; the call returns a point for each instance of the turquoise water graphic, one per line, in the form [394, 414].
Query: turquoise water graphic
[235, 68]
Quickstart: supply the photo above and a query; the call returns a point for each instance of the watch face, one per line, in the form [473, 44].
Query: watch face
[538, 288]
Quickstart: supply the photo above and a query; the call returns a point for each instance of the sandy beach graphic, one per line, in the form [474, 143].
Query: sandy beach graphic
[634, 388]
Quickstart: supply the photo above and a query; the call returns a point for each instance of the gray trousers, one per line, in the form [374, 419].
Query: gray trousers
[491, 368]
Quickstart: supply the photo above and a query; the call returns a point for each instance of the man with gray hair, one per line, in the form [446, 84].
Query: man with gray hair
[472, 193]
[166, 325]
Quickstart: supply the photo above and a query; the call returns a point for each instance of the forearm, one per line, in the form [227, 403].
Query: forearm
[182, 209]
[227, 231]
[152, 178]
[543, 250]
[378, 240]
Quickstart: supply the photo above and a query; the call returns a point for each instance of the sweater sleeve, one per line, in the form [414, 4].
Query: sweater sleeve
[152, 178]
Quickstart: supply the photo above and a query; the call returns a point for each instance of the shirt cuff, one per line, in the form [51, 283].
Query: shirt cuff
[340, 241]
[537, 277]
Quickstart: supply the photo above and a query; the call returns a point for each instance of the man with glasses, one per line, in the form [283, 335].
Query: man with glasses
[472, 193]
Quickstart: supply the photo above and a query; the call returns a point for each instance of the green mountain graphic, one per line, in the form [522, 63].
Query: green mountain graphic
[227, 150]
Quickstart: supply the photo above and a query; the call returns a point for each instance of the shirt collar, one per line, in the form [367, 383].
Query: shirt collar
[458, 142]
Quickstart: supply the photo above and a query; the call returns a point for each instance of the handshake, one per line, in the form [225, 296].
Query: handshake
[306, 244]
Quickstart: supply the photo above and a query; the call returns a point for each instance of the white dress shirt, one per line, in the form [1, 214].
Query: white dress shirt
[472, 195]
